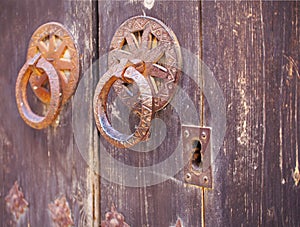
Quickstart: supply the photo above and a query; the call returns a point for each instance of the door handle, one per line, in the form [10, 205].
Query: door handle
[100, 100]
[34, 65]
[146, 54]
[52, 61]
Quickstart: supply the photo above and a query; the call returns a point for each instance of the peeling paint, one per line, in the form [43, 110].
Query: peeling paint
[296, 176]
[242, 126]
[149, 4]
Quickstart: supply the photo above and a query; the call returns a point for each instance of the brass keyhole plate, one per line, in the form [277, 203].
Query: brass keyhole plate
[56, 45]
[148, 39]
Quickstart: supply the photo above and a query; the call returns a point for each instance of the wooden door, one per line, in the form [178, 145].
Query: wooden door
[251, 49]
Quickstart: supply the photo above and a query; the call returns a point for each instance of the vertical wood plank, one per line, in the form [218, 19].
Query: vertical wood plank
[46, 163]
[162, 204]
[245, 44]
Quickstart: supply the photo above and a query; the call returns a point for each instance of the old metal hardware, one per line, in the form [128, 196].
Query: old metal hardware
[38, 63]
[60, 212]
[114, 218]
[120, 71]
[16, 202]
[197, 150]
[146, 55]
[178, 223]
[52, 71]
[57, 46]
[151, 41]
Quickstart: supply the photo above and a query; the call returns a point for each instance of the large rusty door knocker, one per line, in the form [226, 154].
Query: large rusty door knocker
[146, 54]
[52, 71]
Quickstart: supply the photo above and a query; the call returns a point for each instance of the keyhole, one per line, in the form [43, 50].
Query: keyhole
[197, 156]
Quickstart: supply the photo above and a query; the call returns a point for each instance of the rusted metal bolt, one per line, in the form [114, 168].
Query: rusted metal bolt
[188, 177]
[186, 133]
[203, 135]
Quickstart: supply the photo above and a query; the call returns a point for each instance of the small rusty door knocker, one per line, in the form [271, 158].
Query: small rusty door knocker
[52, 71]
[144, 53]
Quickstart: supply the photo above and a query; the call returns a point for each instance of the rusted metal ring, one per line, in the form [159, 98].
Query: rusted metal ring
[32, 119]
[100, 107]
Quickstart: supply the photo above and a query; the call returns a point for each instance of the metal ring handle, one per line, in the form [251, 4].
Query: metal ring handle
[100, 99]
[32, 119]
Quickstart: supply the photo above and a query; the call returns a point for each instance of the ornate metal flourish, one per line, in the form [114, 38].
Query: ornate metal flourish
[56, 45]
[178, 223]
[151, 41]
[114, 219]
[16, 202]
[61, 213]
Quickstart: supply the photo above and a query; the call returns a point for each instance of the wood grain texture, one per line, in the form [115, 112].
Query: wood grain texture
[249, 46]
[46, 163]
[162, 204]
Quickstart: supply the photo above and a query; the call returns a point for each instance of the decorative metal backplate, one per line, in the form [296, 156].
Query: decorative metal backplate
[178, 223]
[61, 213]
[196, 149]
[15, 201]
[56, 45]
[151, 41]
[114, 218]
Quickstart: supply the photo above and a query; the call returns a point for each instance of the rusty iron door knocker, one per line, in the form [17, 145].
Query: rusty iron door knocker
[102, 90]
[144, 53]
[51, 70]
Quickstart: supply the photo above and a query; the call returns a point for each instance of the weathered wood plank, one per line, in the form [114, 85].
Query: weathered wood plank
[245, 44]
[162, 204]
[46, 163]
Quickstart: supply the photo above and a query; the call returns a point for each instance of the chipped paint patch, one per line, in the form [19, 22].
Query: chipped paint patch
[149, 4]
[244, 110]
[296, 176]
